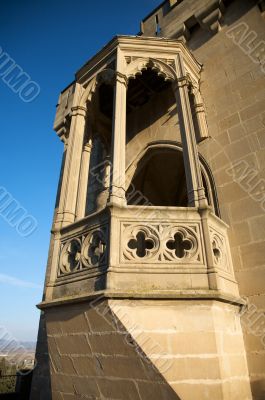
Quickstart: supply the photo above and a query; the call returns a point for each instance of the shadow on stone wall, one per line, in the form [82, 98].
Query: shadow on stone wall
[258, 389]
[233, 13]
[92, 354]
[41, 386]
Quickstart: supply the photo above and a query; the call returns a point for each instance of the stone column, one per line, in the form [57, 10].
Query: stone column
[196, 193]
[83, 180]
[117, 186]
[67, 204]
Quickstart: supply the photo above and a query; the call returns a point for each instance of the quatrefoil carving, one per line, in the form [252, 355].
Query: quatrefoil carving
[180, 243]
[94, 249]
[160, 243]
[70, 256]
[87, 251]
[141, 242]
[218, 250]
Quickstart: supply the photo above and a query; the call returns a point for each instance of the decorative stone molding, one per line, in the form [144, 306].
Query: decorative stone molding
[160, 67]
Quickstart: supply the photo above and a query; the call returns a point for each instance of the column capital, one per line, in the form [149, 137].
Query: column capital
[122, 78]
[181, 82]
[87, 147]
[78, 110]
[199, 107]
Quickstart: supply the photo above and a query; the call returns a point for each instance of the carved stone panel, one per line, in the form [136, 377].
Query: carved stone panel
[160, 243]
[84, 251]
[219, 249]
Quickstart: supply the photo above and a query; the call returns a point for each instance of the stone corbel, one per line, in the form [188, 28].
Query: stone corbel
[182, 33]
[63, 128]
[198, 110]
[210, 17]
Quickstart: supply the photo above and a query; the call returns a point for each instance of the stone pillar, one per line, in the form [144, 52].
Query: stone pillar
[83, 180]
[67, 204]
[117, 186]
[196, 193]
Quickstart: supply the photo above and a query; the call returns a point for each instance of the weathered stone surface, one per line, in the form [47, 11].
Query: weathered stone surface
[177, 348]
[73, 344]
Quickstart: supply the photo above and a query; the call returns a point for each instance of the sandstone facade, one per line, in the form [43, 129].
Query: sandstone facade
[157, 244]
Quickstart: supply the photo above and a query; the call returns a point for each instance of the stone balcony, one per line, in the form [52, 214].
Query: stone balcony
[146, 250]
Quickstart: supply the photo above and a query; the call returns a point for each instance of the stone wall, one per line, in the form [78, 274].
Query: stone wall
[104, 351]
[233, 91]
[232, 86]
[147, 349]
[93, 355]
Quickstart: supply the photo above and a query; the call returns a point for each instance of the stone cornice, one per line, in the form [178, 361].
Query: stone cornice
[165, 48]
[203, 295]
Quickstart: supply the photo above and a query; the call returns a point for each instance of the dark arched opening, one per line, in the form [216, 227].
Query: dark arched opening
[159, 180]
[99, 127]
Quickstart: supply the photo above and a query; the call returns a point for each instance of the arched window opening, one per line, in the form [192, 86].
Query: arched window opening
[159, 180]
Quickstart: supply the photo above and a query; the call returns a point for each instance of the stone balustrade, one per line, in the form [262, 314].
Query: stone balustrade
[147, 248]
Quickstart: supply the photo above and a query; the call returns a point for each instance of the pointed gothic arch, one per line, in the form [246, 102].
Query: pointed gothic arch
[105, 76]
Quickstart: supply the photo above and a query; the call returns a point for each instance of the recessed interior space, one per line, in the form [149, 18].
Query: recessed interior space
[145, 86]
[99, 128]
[159, 180]
[151, 108]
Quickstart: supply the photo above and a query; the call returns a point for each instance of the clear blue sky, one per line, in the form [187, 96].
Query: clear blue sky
[50, 40]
